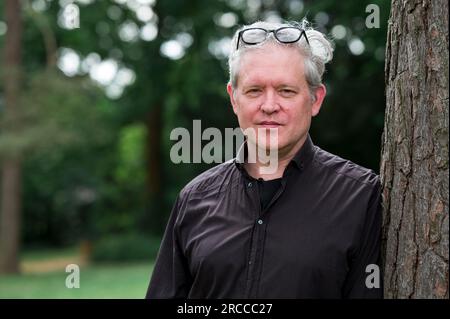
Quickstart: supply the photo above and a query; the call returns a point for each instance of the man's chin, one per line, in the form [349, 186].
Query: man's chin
[268, 148]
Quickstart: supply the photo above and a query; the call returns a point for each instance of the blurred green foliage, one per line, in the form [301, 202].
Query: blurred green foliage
[55, 113]
[126, 247]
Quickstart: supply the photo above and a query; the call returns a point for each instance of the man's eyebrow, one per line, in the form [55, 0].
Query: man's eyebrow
[287, 86]
[253, 86]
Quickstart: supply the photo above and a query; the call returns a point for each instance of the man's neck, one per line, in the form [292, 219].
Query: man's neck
[284, 158]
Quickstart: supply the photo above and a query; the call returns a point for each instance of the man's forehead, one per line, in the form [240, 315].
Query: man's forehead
[271, 55]
[271, 49]
[278, 67]
[253, 77]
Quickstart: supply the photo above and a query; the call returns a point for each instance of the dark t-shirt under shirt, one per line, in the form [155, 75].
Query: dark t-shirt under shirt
[267, 190]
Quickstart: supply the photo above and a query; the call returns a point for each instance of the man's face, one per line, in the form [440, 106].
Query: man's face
[272, 92]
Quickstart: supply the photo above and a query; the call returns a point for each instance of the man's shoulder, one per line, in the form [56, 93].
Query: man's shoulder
[211, 179]
[345, 169]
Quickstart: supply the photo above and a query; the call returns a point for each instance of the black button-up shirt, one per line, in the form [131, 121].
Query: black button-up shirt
[314, 239]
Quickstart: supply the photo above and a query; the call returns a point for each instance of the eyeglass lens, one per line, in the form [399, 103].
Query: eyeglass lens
[254, 36]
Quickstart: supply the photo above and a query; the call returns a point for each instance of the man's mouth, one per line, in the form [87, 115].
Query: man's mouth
[269, 124]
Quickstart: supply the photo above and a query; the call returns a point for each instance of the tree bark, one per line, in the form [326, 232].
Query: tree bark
[10, 198]
[414, 162]
[10, 217]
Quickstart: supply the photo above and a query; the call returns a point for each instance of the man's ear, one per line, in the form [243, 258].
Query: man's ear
[232, 100]
[319, 95]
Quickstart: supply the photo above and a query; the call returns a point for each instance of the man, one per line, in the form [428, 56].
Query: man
[308, 229]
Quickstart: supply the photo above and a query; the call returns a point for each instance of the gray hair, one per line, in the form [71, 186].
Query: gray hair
[316, 54]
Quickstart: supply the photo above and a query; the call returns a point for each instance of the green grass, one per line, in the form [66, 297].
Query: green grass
[124, 280]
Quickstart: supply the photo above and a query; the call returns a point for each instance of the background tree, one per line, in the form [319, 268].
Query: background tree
[414, 166]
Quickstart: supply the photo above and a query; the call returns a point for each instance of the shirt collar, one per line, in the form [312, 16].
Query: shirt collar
[305, 154]
[300, 160]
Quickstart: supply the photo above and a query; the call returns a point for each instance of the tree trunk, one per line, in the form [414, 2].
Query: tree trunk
[414, 163]
[11, 167]
[10, 217]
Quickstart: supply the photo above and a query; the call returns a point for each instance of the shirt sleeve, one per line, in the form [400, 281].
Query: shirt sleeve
[171, 277]
[365, 279]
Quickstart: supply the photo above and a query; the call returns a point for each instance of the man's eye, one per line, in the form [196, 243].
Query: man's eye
[253, 91]
[287, 92]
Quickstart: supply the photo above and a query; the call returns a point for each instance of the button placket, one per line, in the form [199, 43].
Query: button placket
[255, 242]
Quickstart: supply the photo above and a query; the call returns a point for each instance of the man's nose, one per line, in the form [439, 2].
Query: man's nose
[270, 103]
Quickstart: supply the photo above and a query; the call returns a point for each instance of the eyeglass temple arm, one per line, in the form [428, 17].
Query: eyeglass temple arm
[304, 33]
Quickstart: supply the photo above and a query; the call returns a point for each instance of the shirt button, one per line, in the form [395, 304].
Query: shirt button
[250, 184]
[260, 221]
